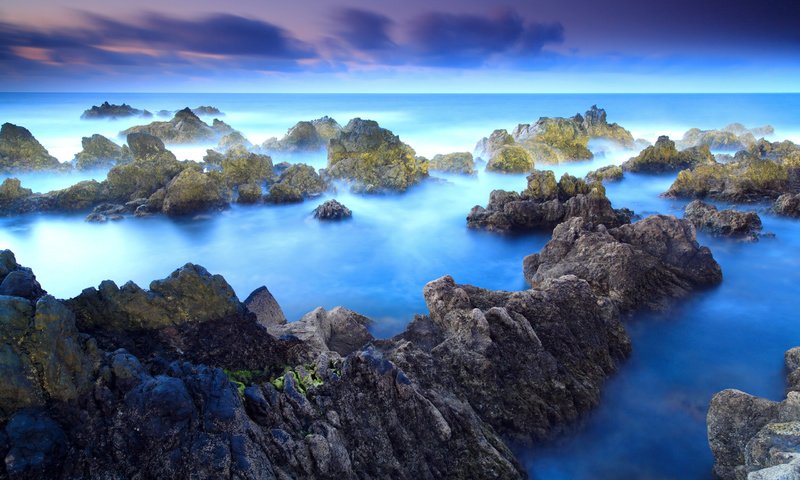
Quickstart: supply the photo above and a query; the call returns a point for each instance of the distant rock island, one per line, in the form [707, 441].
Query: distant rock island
[109, 110]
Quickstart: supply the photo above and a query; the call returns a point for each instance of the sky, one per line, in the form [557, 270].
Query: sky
[415, 46]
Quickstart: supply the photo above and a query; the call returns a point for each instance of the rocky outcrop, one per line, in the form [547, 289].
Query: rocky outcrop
[596, 125]
[192, 192]
[240, 166]
[235, 139]
[611, 173]
[112, 111]
[733, 137]
[743, 180]
[100, 152]
[207, 110]
[488, 147]
[152, 168]
[729, 223]
[21, 152]
[755, 438]
[664, 157]
[545, 204]
[787, 205]
[249, 193]
[332, 210]
[643, 264]
[305, 136]
[373, 159]
[511, 159]
[185, 127]
[265, 307]
[458, 162]
[339, 330]
[296, 183]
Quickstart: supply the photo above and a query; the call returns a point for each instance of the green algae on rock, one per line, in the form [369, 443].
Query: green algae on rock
[664, 157]
[100, 152]
[193, 192]
[184, 127]
[21, 152]
[511, 159]
[457, 162]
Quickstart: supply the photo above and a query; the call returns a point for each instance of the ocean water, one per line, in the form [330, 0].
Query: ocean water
[651, 422]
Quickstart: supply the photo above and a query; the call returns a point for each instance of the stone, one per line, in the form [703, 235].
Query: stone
[112, 111]
[21, 152]
[265, 307]
[730, 223]
[511, 159]
[339, 330]
[192, 192]
[185, 127]
[459, 162]
[611, 173]
[664, 157]
[332, 210]
[99, 152]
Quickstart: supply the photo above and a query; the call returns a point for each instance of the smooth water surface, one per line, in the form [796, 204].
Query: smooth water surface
[651, 422]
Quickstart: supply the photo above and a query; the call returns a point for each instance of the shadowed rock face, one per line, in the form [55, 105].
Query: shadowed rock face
[112, 111]
[756, 438]
[644, 264]
[722, 222]
[100, 152]
[21, 152]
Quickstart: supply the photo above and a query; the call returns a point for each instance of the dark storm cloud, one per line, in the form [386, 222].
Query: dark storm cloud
[363, 30]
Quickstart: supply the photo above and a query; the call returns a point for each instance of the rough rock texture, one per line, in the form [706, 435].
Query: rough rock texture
[326, 127]
[611, 173]
[207, 110]
[373, 159]
[664, 157]
[100, 152]
[332, 210]
[265, 307]
[488, 147]
[787, 204]
[459, 162]
[281, 193]
[745, 179]
[21, 152]
[754, 438]
[235, 139]
[339, 330]
[295, 183]
[644, 264]
[249, 193]
[192, 192]
[152, 168]
[733, 137]
[185, 127]
[112, 111]
[11, 192]
[511, 159]
[545, 204]
[305, 136]
[730, 223]
[597, 126]
[239, 166]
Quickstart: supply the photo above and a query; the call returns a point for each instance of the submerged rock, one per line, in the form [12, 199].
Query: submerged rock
[332, 210]
[756, 438]
[185, 127]
[664, 157]
[545, 204]
[100, 152]
[21, 152]
[643, 264]
[459, 162]
[373, 159]
[112, 111]
[723, 222]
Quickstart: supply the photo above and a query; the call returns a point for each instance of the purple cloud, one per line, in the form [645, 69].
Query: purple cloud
[363, 30]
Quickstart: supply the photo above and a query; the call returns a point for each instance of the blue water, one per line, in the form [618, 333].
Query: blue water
[651, 422]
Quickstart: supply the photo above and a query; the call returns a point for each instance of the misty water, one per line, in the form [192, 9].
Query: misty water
[651, 421]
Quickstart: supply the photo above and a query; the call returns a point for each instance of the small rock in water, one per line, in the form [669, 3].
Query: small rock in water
[332, 210]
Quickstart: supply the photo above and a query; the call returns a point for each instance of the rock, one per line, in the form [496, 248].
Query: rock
[511, 159]
[373, 158]
[664, 157]
[21, 152]
[332, 210]
[733, 137]
[249, 193]
[152, 168]
[487, 148]
[37, 446]
[234, 139]
[339, 330]
[744, 180]
[554, 140]
[112, 111]
[295, 183]
[81, 196]
[459, 162]
[644, 264]
[611, 173]
[206, 110]
[787, 204]
[725, 222]
[184, 127]
[282, 193]
[265, 307]
[192, 192]
[326, 127]
[545, 204]
[11, 192]
[240, 166]
[596, 125]
[305, 136]
[21, 283]
[100, 152]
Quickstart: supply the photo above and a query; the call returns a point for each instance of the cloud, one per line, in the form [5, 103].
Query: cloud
[363, 30]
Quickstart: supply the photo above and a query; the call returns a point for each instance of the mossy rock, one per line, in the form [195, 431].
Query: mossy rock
[610, 173]
[81, 196]
[235, 139]
[570, 186]
[565, 135]
[240, 166]
[249, 193]
[153, 166]
[458, 162]
[542, 186]
[21, 152]
[596, 125]
[100, 152]
[283, 193]
[304, 179]
[326, 127]
[488, 147]
[12, 190]
[184, 127]
[664, 157]
[511, 159]
[193, 192]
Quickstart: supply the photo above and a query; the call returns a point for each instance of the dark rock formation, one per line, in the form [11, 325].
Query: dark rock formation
[756, 438]
[112, 111]
[787, 204]
[100, 152]
[644, 264]
[265, 307]
[332, 210]
[339, 330]
[185, 127]
[21, 152]
[296, 183]
[373, 158]
[305, 136]
[729, 223]
[545, 204]
[664, 157]
[459, 162]
[611, 173]
[281, 193]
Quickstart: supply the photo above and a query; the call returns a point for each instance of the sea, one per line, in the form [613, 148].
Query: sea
[650, 423]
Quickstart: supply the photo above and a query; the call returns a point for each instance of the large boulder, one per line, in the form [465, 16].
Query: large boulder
[733, 137]
[744, 180]
[373, 159]
[265, 307]
[305, 136]
[100, 152]
[11, 193]
[611, 173]
[664, 157]
[21, 152]
[338, 330]
[729, 223]
[644, 264]
[488, 147]
[545, 204]
[192, 192]
[597, 126]
[296, 183]
[458, 162]
[113, 111]
[184, 127]
[240, 166]
[152, 168]
[511, 159]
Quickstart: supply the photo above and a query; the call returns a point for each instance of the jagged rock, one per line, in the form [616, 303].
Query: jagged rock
[326, 127]
[664, 157]
[305, 136]
[112, 111]
[152, 168]
[295, 183]
[265, 307]
[596, 125]
[332, 210]
[511, 159]
[644, 264]
[339, 330]
[373, 158]
[239, 166]
[725, 222]
[193, 192]
[488, 147]
[545, 204]
[21, 152]
[281, 193]
[733, 137]
[235, 139]
[787, 204]
[611, 173]
[100, 152]
[459, 162]
[12, 192]
[249, 193]
[744, 180]
[184, 127]
[207, 110]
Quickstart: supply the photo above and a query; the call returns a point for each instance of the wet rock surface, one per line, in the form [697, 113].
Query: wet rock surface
[664, 157]
[184, 127]
[458, 162]
[100, 152]
[305, 136]
[729, 223]
[21, 152]
[332, 210]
